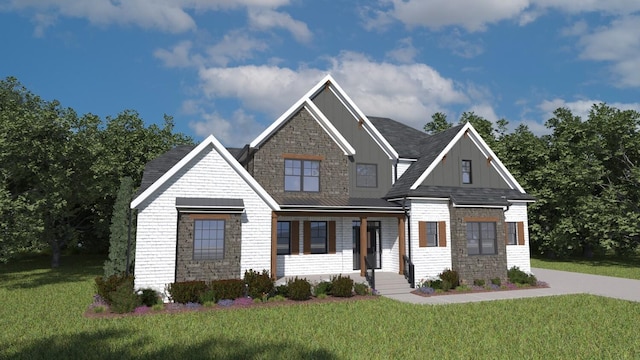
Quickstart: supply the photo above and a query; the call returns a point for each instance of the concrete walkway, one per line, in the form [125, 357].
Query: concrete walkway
[560, 283]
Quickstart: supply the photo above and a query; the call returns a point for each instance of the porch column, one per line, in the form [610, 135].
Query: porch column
[363, 244]
[401, 243]
[274, 244]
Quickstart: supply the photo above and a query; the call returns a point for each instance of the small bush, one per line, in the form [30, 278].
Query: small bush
[209, 304]
[323, 287]
[322, 296]
[106, 286]
[228, 289]
[496, 281]
[257, 301]
[426, 290]
[478, 282]
[361, 288]
[342, 286]
[207, 296]
[299, 289]
[186, 291]
[149, 297]
[517, 276]
[451, 276]
[463, 288]
[258, 284]
[157, 307]
[446, 285]
[282, 290]
[225, 302]
[99, 309]
[277, 298]
[435, 284]
[123, 299]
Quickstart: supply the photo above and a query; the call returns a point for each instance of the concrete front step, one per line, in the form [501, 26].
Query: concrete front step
[391, 283]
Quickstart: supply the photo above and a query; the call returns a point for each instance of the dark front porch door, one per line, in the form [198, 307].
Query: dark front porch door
[374, 253]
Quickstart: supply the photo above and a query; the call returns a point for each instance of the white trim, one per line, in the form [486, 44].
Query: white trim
[407, 159]
[483, 147]
[480, 206]
[226, 155]
[345, 211]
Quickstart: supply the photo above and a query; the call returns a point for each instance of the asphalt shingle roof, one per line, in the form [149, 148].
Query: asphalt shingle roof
[160, 165]
[336, 202]
[404, 139]
[471, 195]
[429, 150]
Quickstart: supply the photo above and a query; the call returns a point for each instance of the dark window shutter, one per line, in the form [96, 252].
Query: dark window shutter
[306, 246]
[332, 237]
[442, 233]
[520, 233]
[422, 233]
[295, 238]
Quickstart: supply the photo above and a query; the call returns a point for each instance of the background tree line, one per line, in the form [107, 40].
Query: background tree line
[60, 172]
[584, 174]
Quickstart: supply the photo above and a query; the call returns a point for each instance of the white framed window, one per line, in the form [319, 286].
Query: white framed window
[466, 172]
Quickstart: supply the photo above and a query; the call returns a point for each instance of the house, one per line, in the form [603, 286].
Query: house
[327, 190]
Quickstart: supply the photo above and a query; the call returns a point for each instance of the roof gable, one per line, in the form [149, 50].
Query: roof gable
[203, 146]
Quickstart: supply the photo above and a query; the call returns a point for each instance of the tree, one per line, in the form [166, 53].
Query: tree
[437, 124]
[122, 231]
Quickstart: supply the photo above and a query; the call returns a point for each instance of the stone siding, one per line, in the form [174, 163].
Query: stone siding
[301, 135]
[227, 268]
[471, 267]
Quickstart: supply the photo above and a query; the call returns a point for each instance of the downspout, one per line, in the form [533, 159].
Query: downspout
[128, 242]
[408, 218]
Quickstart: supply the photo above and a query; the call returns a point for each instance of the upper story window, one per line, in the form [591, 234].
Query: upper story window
[301, 175]
[367, 175]
[466, 172]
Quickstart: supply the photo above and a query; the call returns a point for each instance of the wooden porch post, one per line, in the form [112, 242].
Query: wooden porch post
[363, 244]
[274, 244]
[401, 243]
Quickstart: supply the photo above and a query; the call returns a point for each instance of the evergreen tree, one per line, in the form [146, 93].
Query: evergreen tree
[119, 231]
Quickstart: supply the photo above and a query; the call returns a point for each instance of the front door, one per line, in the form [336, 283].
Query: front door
[374, 253]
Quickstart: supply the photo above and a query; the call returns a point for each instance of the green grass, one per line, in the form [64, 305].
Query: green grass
[610, 266]
[41, 317]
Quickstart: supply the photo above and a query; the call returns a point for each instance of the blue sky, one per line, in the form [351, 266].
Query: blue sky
[232, 67]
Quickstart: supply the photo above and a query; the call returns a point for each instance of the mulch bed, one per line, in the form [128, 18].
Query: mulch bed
[474, 291]
[171, 308]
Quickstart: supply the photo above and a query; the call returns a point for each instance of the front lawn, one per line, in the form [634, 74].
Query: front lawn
[41, 317]
[610, 266]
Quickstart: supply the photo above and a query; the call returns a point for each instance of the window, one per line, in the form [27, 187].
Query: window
[208, 239]
[432, 234]
[512, 234]
[318, 237]
[481, 238]
[301, 175]
[466, 171]
[284, 238]
[367, 175]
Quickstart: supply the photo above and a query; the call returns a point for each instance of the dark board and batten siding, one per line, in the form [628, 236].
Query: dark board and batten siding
[449, 171]
[367, 150]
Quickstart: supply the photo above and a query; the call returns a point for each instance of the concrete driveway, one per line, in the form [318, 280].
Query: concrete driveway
[560, 283]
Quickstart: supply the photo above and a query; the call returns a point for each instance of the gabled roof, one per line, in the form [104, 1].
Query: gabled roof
[429, 151]
[169, 160]
[406, 140]
[307, 103]
[157, 167]
[437, 147]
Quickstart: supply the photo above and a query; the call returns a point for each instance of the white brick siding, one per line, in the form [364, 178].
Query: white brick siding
[429, 261]
[518, 255]
[207, 175]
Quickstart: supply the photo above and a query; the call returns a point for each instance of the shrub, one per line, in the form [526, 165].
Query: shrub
[106, 286]
[157, 307]
[342, 286]
[225, 302]
[478, 282]
[323, 287]
[282, 290]
[322, 296]
[463, 288]
[209, 304]
[123, 299]
[299, 289]
[496, 281]
[207, 296]
[149, 297]
[435, 284]
[517, 276]
[451, 276]
[258, 284]
[186, 291]
[228, 289]
[99, 309]
[361, 288]
[277, 298]
[446, 285]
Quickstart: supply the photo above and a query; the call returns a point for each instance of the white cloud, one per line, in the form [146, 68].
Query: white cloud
[234, 132]
[486, 111]
[408, 93]
[405, 52]
[169, 16]
[233, 47]
[582, 6]
[178, 56]
[580, 107]
[460, 47]
[265, 19]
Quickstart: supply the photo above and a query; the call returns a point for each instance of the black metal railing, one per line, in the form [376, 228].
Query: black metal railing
[370, 273]
[409, 271]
